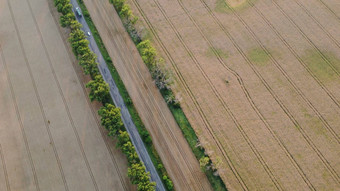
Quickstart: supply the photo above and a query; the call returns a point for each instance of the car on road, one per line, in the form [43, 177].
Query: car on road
[88, 33]
[78, 11]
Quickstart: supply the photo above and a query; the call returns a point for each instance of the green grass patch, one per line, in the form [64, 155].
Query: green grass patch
[319, 66]
[125, 95]
[258, 56]
[222, 6]
[210, 53]
[191, 137]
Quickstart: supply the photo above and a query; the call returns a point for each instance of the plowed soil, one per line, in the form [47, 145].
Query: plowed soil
[260, 82]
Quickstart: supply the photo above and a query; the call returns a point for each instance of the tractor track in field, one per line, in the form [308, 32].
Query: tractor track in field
[191, 95]
[156, 106]
[335, 176]
[310, 142]
[329, 63]
[329, 9]
[64, 101]
[259, 157]
[38, 99]
[36, 183]
[329, 93]
[268, 126]
[301, 61]
[244, 134]
[329, 128]
[298, 91]
[3, 163]
[87, 100]
[318, 23]
[306, 137]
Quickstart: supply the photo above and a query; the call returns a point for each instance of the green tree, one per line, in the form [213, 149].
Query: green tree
[118, 4]
[60, 4]
[125, 12]
[129, 150]
[146, 186]
[67, 19]
[99, 89]
[66, 9]
[204, 161]
[78, 39]
[168, 183]
[88, 62]
[147, 52]
[123, 137]
[111, 118]
[74, 24]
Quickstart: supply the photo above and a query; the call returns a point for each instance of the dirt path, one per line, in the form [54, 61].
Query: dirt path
[50, 137]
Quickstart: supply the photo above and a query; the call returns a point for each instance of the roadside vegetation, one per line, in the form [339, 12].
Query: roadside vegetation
[99, 91]
[164, 81]
[127, 100]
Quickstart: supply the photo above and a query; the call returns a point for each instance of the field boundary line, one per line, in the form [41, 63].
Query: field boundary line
[4, 168]
[156, 106]
[148, 108]
[191, 95]
[268, 126]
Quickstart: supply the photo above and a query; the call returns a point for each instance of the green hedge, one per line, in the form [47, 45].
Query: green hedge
[127, 100]
[163, 81]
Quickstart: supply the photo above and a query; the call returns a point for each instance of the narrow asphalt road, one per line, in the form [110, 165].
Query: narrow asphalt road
[118, 101]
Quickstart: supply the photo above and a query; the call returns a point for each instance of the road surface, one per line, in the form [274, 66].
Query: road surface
[118, 101]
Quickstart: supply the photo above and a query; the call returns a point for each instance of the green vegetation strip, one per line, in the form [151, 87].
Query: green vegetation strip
[128, 102]
[99, 91]
[163, 80]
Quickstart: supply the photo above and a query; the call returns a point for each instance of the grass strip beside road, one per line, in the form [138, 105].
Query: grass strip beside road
[125, 95]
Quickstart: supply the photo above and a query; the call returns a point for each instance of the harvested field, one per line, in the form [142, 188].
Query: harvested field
[260, 85]
[50, 134]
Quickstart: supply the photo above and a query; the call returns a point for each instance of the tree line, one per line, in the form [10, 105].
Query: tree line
[164, 81]
[99, 91]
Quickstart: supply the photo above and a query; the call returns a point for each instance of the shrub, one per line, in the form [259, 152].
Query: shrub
[99, 89]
